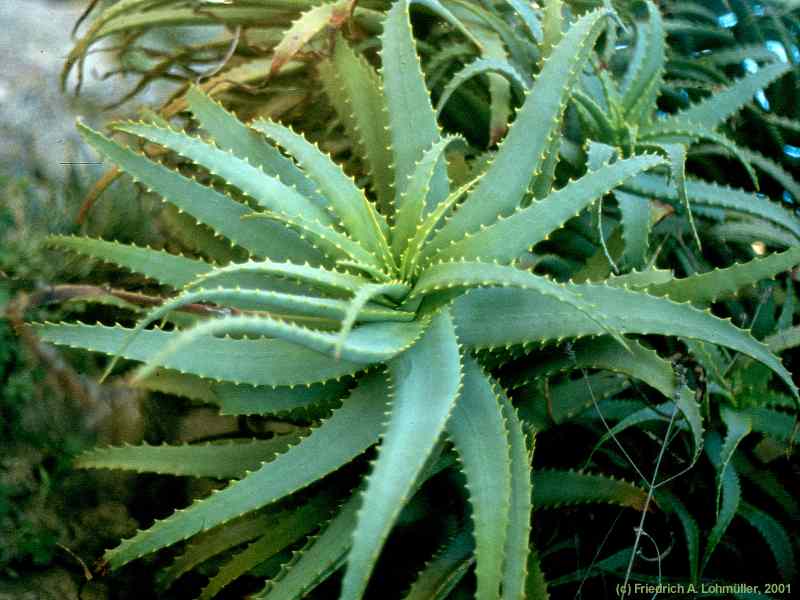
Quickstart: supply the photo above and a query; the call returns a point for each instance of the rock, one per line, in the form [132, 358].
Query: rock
[37, 121]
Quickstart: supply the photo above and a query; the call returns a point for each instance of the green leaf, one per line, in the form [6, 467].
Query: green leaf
[324, 279]
[552, 25]
[317, 560]
[715, 110]
[529, 18]
[245, 399]
[229, 133]
[677, 168]
[768, 482]
[767, 165]
[228, 460]
[216, 541]
[737, 426]
[731, 493]
[167, 269]
[705, 288]
[268, 191]
[414, 250]
[336, 244]
[784, 339]
[703, 194]
[508, 238]
[638, 362]
[212, 208]
[535, 584]
[426, 380]
[555, 488]
[545, 406]
[691, 531]
[774, 423]
[480, 66]
[518, 543]
[445, 570]
[636, 225]
[346, 434]
[254, 362]
[368, 344]
[642, 81]
[478, 416]
[411, 205]
[698, 132]
[778, 540]
[347, 201]
[522, 154]
[354, 89]
[522, 316]
[412, 122]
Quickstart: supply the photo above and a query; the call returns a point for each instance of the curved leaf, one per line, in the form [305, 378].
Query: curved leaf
[522, 154]
[212, 208]
[168, 269]
[426, 380]
[254, 362]
[230, 460]
[554, 488]
[346, 434]
[487, 467]
[523, 316]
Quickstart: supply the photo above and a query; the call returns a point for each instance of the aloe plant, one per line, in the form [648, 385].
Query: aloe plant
[379, 314]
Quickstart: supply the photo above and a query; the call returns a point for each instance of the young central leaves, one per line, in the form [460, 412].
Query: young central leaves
[367, 304]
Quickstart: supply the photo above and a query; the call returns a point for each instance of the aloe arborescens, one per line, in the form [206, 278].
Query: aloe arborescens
[396, 301]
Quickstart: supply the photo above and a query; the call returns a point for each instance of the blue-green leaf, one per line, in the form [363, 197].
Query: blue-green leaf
[426, 380]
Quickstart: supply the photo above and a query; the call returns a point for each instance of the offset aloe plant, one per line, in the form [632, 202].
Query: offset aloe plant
[623, 114]
[379, 307]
